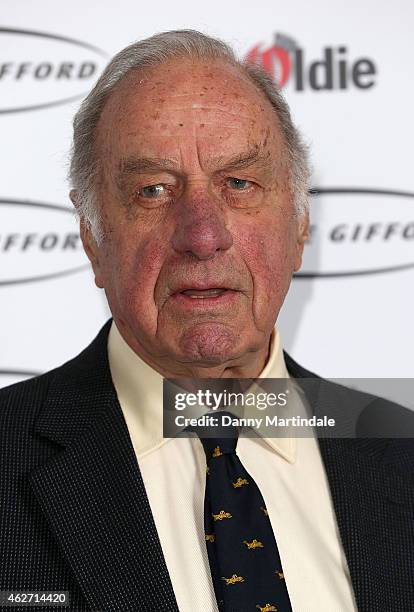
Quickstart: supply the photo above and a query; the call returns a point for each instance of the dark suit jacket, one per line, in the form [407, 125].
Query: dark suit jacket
[74, 514]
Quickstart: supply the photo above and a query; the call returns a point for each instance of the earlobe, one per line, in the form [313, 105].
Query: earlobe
[304, 229]
[92, 251]
[88, 246]
[73, 195]
[302, 238]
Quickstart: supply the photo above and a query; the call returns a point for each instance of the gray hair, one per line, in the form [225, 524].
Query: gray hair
[84, 170]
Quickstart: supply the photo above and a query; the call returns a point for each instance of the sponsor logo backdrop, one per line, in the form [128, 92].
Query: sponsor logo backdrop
[345, 70]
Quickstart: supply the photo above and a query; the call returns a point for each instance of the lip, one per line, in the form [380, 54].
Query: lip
[189, 303]
[200, 287]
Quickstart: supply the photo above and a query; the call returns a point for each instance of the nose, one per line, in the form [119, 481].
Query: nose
[200, 226]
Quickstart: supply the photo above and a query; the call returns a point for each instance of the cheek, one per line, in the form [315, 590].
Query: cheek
[269, 255]
[132, 272]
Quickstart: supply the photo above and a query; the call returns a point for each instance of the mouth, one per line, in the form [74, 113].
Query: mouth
[204, 298]
[198, 294]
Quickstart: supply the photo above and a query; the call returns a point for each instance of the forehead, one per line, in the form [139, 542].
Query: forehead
[212, 102]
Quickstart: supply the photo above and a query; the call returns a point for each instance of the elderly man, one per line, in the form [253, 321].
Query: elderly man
[190, 182]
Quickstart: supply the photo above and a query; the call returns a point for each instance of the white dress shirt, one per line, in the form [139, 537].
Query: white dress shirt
[288, 471]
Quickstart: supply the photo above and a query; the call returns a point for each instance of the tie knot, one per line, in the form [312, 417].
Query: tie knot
[225, 437]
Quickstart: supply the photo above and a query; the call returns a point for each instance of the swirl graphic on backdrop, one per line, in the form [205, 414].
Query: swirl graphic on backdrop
[359, 231]
[38, 241]
[39, 70]
[17, 374]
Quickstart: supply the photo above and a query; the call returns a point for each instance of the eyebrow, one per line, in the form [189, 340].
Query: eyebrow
[139, 165]
[136, 165]
[243, 160]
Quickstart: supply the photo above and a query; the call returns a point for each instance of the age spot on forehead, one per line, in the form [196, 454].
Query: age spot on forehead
[226, 112]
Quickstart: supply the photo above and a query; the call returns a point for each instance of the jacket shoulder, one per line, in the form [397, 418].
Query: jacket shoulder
[20, 400]
[380, 426]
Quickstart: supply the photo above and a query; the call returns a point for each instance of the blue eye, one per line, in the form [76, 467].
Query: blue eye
[152, 191]
[238, 184]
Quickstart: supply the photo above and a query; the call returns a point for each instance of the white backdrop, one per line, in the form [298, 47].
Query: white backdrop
[350, 313]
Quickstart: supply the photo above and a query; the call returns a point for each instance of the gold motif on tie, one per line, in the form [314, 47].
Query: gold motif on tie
[253, 544]
[221, 515]
[217, 452]
[240, 482]
[267, 608]
[233, 579]
[265, 512]
[210, 537]
[207, 470]
[281, 575]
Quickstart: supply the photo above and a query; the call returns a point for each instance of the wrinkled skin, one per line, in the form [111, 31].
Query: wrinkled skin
[199, 225]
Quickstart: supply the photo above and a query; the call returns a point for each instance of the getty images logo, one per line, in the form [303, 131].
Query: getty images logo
[39, 70]
[288, 63]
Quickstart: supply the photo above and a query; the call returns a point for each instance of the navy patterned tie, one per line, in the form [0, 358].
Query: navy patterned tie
[244, 560]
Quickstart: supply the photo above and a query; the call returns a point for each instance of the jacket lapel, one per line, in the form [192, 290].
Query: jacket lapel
[371, 484]
[92, 492]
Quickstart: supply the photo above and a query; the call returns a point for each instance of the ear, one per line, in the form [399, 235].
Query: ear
[302, 237]
[90, 246]
[93, 252]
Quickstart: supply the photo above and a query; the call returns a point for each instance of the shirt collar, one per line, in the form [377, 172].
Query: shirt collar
[140, 393]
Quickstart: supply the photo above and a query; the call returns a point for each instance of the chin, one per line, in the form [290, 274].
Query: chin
[210, 343]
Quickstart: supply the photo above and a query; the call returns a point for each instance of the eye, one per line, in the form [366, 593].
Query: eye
[152, 191]
[238, 184]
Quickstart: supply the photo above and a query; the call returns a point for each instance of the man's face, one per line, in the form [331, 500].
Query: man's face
[194, 197]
